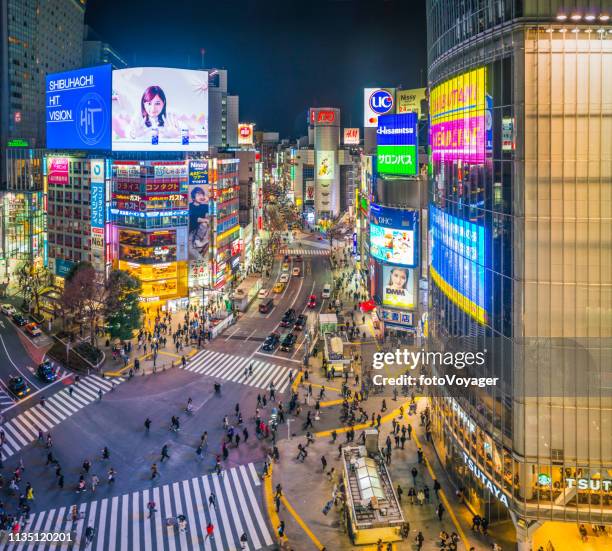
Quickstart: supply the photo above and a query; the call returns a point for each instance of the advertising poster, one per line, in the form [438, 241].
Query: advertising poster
[57, 170]
[310, 190]
[199, 222]
[398, 287]
[159, 109]
[394, 235]
[78, 107]
[245, 134]
[396, 138]
[409, 101]
[198, 172]
[376, 102]
[325, 165]
[351, 136]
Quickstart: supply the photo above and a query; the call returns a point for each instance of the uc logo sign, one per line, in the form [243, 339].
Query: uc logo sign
[381, 102]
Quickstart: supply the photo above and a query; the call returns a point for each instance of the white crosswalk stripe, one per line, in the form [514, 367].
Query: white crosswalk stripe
[5, 400]
[306, 252]
[122, 522]
[231, 368]
[23, 429]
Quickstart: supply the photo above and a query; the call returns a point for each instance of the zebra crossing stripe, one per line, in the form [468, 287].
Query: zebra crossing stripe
[23, 429]
[231, 368]
[122, 522]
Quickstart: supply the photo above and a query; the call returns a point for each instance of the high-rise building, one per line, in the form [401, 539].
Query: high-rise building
[223, 111]
[35, 39]
[520, 225]
[233, 114]
[98, 52]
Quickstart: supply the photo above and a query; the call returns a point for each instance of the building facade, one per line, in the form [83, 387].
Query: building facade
[36, 38]
[520, 266]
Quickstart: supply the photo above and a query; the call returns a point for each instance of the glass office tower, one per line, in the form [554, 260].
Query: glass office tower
[521, 254]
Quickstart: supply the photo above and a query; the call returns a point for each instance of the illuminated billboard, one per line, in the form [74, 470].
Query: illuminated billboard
[396, 138]
[97, 193]
[458, 110]
[245, 134]
[409, 101]
[394, 235]
[199, 222]
[78, 109]
[376, 102]
[398, 287]
[57, 170]
[326, 169]
[351, 136]
[458, 261]
[160, 109]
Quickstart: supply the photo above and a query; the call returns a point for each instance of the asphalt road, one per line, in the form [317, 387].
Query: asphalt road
[116, 421]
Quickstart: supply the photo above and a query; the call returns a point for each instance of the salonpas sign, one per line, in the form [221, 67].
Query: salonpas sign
[396, 138]
[397, 159]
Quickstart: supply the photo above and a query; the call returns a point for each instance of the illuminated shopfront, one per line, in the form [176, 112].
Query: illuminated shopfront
[150, 211]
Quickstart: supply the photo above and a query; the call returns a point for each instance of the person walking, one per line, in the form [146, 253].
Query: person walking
[419, 539]
[210, 529]
[147, 424]
[154, 471]
[111, 475]
[94, 482]
[212, 500]
[164, 453]
[436, 487]
[414, 472]
[151, 508]
[323, 463]
[440, 511]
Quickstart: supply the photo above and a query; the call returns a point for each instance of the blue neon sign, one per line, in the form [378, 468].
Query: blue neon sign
[458, 261]
[78, 106]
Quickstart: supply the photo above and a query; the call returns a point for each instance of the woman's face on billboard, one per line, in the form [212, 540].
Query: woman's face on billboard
[398, 278]
[154, 107]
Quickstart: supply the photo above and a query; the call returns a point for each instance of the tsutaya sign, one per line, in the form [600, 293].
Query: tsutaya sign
[493, 488]
[589, 484]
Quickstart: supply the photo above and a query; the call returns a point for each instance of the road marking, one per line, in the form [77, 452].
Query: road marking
[15, 365]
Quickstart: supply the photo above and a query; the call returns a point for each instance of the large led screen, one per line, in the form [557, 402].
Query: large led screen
[458, 111]
[398, 287]
[394, 235]
[160, 109]
[78, 109]
[458, 261]
[326, 169]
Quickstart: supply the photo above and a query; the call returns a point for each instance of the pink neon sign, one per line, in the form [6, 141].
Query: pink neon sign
[462, 139]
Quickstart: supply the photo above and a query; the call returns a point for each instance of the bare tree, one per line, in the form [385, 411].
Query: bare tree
[84, 297]
[32, 280]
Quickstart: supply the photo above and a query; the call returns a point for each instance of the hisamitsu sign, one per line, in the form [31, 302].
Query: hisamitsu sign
[397, 144]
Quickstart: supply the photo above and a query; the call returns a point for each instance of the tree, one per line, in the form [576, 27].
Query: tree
[83, 296]
[32, 279]
[123, 312]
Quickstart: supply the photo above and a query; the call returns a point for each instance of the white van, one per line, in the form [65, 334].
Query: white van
[326, 291]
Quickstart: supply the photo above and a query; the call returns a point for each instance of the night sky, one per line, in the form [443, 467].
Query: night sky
[282, 57]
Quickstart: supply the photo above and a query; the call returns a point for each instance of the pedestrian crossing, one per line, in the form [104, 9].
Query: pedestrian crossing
[23, 429]
[231, 368]
[5, 400]
[306, 252]
[121, 522]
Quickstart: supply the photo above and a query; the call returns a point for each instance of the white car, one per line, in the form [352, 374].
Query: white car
[284, 278]
[326, 291]
[295, 272]
[8, 309]
[263, 293]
